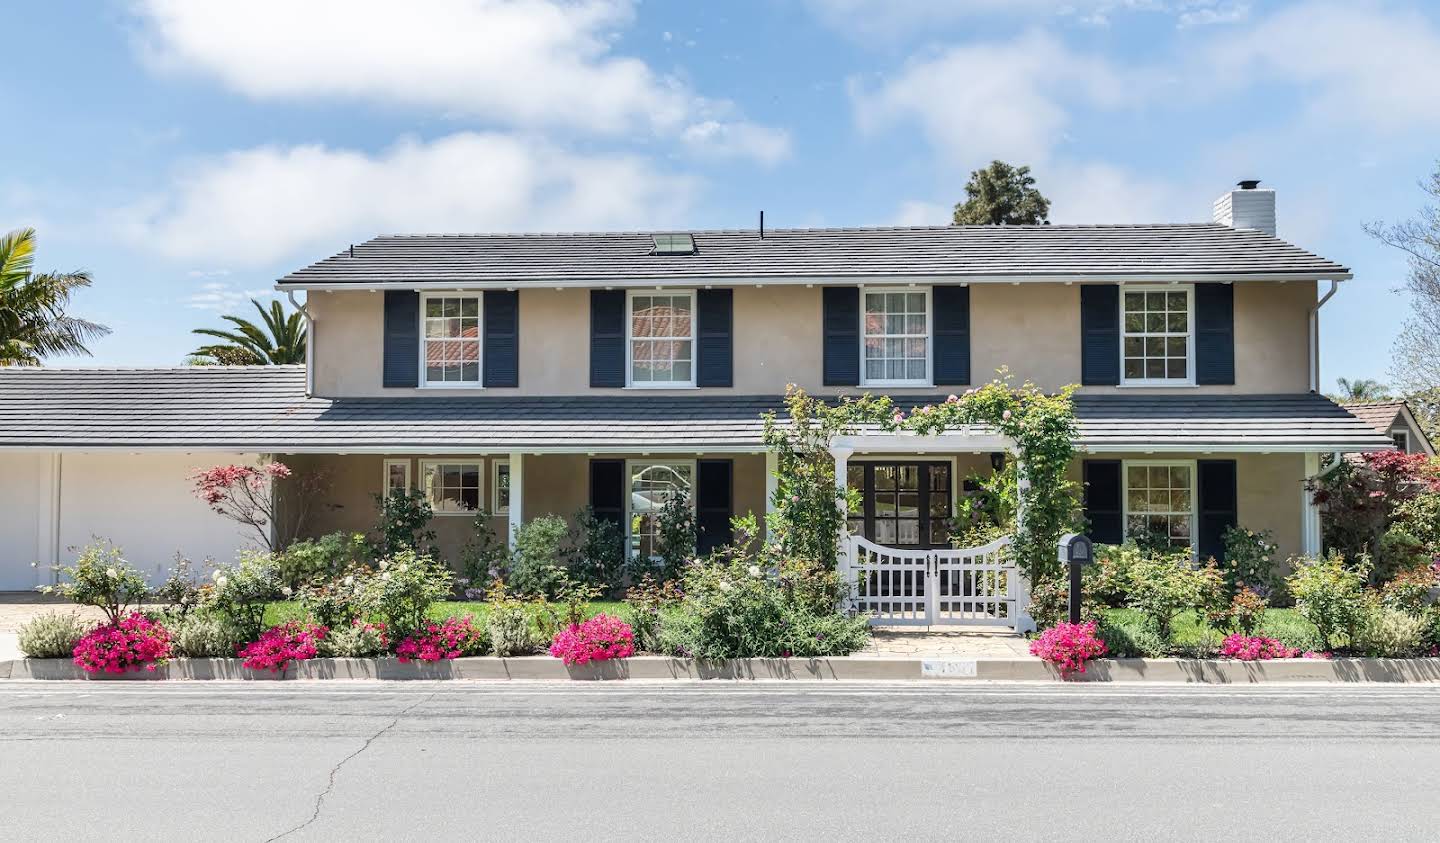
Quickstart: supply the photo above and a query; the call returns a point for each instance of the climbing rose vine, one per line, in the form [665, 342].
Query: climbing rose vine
[280, 645]
[597, 639]
[132, 643]
[1069, 646]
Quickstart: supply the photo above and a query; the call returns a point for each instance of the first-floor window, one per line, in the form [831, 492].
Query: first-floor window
[452, 487]
[452, 341]
[500, 493]
[1160, 503]
[397, 476]
[652, 485]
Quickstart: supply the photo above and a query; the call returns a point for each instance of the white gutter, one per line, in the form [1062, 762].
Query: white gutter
[1315, 335]
[309, 342]
[756, 447]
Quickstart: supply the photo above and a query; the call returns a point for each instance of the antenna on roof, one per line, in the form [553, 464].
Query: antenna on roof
[352, 250]
[762, 225]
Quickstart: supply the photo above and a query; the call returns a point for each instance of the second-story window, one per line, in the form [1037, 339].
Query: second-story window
[895, 341]
[451, 355]
[1156, 344]
[662, 339]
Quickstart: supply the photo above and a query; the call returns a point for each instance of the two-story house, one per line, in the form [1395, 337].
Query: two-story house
[531, 374]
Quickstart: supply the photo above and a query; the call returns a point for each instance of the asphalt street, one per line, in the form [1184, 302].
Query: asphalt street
[716, 761]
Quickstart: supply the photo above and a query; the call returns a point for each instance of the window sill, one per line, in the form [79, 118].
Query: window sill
[451, 386]
[897, 384]
[661, 386]
[1159, 385]
[471, 514]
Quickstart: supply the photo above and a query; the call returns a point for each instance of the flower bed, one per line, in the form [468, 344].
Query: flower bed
[448, 639]
[1069, 646]
[597, 639]
[134, 642]
[278, 646]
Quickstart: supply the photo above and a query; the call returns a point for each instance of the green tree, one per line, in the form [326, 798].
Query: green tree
[280, 341]
[1361, 390]
[1002, 195]
[1415, 358]
[33, 321]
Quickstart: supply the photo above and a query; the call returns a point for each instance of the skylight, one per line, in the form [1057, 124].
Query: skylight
[673, 244]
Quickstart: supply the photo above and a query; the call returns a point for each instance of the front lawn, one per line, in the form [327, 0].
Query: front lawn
[1190, 628]
[288, 610]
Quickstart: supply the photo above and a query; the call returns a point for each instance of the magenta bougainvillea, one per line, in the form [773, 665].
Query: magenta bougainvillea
[448, 639]
[1069, 646]
[600, 638]
[280, 645]
[133, 643]
[1251, 648]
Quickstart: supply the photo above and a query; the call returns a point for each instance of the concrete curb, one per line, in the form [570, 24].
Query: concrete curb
[848, 668]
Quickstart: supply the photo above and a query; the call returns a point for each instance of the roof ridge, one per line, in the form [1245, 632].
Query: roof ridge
[497, 235]
[84, 369]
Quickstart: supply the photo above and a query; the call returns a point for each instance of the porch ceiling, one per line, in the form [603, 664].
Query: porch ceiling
[264, 409]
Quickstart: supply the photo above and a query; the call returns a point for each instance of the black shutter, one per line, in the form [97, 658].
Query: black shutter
[607, 337]
[607, 490]
[714, 487]
[842, 336]
[1214, 334]
[1103, 507]
[714, 323]
[952, 335]
[1219, 506]
[1099, 335]
[502, 338]
[401, 344]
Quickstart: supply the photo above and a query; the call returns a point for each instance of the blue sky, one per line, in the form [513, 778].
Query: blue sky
[188, 154]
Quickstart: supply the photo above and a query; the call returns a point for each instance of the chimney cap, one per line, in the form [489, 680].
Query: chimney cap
[1248, 184]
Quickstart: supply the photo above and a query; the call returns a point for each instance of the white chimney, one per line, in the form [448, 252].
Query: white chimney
[1247, 207]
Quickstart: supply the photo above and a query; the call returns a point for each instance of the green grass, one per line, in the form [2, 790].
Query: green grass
[1191, 625]
[278, 613]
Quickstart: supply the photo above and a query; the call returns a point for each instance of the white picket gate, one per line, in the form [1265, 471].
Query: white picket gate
[973, 586]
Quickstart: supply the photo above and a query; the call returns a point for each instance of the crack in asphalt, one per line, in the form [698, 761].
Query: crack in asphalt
[330, 784]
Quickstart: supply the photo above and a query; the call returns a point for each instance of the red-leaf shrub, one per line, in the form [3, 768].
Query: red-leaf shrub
[280, 645]
[132, 643]
[449, 639]
[600, 638]
[1068, 646]
[1250, 648]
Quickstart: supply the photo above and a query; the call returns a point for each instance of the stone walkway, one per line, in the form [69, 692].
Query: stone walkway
[946, 642]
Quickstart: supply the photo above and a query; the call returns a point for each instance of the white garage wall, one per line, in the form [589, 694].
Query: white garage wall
[24, 519]
[143, 503]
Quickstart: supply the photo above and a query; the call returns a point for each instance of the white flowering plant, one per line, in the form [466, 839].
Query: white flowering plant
[101, 577]
[402, 588]
[240, 591]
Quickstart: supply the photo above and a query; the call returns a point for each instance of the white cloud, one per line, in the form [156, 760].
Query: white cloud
[1095, 192]
[738, 140]
[526, 63]
[259, 205]
[920, 212]
[993, 100]
[1210, 13]
[222, 297]
[867, 19]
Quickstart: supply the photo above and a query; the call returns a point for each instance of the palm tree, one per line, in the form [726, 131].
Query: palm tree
[281, 341]
[1361, 390]
[33, 322]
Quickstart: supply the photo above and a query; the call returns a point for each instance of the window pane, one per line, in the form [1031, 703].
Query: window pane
[1155, 322]
[1180, 477]
[1134, 302]
[1138, 501]
[1175, 322]
[884, 477]
[1175, 346]
[1134, 368]
[1176, 369]
[433, 307]
[1155, 301]
[1134, 322]
[908, 531]
[1154, 368]
[1176, 302]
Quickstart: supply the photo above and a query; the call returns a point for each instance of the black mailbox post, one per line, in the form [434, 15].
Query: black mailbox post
[1075, 551]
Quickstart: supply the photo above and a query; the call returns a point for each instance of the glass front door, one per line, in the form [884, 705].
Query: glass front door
[904, 504]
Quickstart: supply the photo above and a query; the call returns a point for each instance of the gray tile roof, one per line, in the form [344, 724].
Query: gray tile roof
[264, 409]
[1078, 252]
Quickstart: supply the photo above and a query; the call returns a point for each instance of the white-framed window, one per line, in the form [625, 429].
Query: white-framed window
[397, 476]
[452, 486]
[1401, 438]
[894, 336]
[500, 487]
[450, 344]
[1160, 501]
[650, 485]
[660, 348]
[1157, 341]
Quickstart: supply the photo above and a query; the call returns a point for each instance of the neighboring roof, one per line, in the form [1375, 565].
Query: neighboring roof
[975, 253]
[1384, 416]
[264, 409]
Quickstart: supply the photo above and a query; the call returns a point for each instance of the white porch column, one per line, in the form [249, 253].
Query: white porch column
[1022, 485]
[842, 461]
[1309, 510]
[517, 497]
[772, 480]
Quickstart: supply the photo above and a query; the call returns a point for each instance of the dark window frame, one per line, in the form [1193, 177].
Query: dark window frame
[867, 517]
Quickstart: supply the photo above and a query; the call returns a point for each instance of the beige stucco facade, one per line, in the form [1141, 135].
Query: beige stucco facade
[1031, 328]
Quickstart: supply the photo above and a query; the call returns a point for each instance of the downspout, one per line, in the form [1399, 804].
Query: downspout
[1315, 336]
[309, 342]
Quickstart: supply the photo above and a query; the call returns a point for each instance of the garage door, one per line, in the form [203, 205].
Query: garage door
[24, 519]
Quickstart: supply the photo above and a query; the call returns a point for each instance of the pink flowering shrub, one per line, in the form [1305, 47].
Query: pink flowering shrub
[1068, 646]
[280, 645]
[600, 638]
[1250, 648]
[131, 643]
[448, 639]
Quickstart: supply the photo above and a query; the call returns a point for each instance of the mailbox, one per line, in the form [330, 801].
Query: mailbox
[1075, 549]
